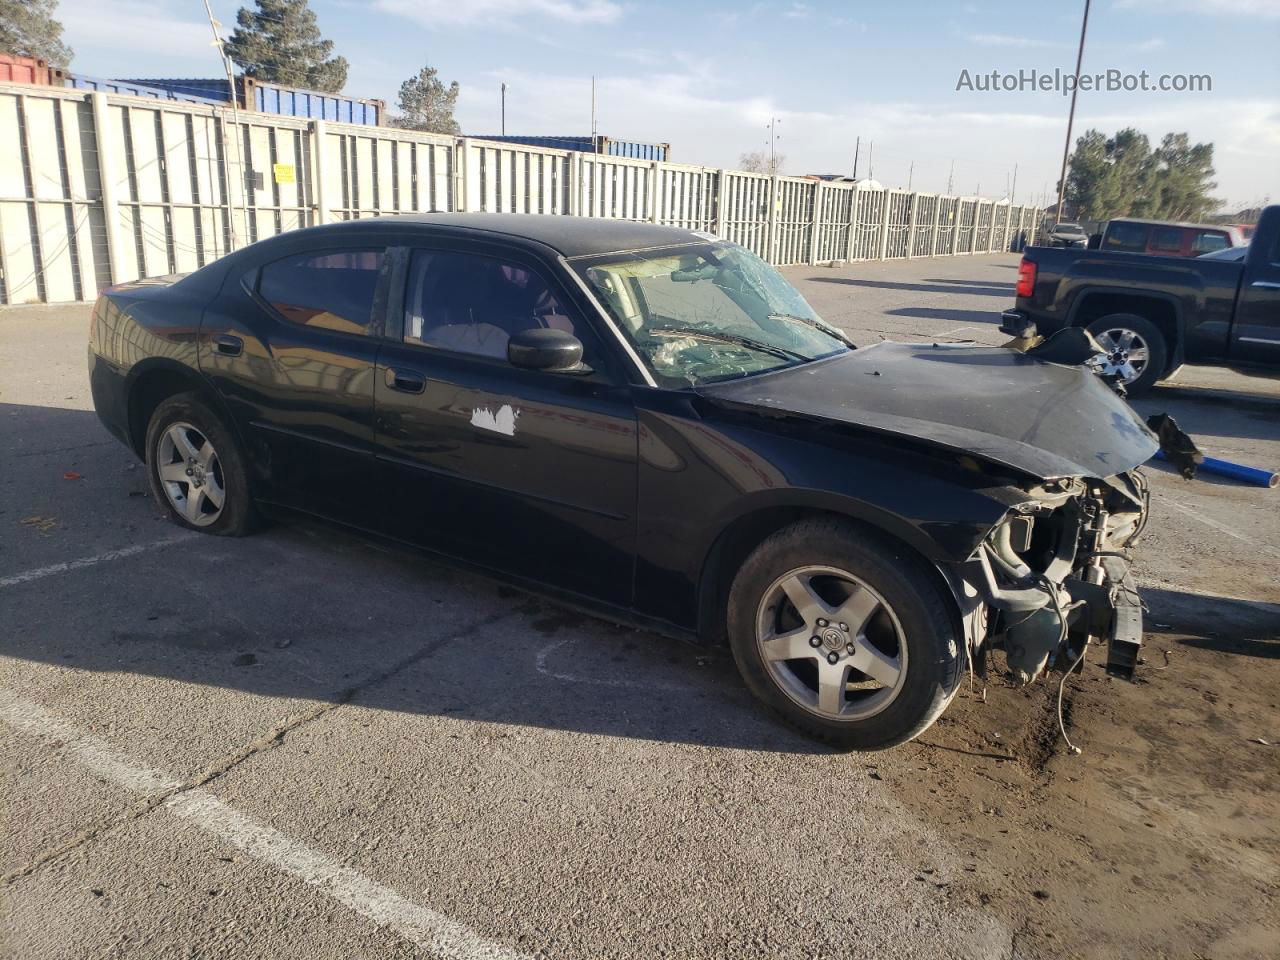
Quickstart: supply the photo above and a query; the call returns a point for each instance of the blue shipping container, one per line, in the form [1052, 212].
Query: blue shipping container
[273, 98]
[599, 144]
[134, 88]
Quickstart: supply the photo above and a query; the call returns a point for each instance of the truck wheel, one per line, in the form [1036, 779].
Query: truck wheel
[196, 470]
[844, 635]
[1136, 350]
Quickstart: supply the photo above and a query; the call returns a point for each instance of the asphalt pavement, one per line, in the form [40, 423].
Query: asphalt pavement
[302, 744]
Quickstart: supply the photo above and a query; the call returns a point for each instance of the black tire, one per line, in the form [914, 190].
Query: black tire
[1157, 347]
[237, 516]
[925, 613]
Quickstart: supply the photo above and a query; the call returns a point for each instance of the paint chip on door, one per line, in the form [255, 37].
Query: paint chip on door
[504, 421]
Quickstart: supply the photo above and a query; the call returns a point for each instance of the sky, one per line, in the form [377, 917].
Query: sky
[709, 77]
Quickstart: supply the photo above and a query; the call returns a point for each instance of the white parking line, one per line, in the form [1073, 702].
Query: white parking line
[28, 575]
[422, 926]
[1195, 514]
[540, 664]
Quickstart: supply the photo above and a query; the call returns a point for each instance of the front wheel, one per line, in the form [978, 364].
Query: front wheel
[1136, 352]
[196, 470]
[844, 635]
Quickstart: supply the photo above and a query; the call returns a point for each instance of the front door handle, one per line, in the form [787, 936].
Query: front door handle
[406, 381]
[1266, 285]
[229, 345]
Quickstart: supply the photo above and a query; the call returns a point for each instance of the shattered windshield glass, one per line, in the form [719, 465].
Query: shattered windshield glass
[709, 312]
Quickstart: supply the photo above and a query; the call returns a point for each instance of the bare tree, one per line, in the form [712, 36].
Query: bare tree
[761, 162]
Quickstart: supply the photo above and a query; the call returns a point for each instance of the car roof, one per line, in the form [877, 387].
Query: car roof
[1172, 223]
[570, 236]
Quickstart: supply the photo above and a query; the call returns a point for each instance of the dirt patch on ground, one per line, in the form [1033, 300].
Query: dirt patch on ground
[1162, 839]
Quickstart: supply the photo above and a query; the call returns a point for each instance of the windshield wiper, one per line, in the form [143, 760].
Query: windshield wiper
[817, 325]
[719, 337]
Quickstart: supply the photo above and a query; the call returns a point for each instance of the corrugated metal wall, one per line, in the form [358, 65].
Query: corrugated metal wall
[100, 189]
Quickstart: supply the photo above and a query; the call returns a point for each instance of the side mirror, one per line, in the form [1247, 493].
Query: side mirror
[551, 350]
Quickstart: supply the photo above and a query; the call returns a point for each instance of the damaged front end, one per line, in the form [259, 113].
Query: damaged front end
[1054, 576]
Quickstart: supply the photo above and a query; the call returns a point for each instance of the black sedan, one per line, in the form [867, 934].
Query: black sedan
[653, 424]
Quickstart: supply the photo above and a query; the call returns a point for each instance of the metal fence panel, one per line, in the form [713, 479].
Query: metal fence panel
[102, 188]
[744, 212]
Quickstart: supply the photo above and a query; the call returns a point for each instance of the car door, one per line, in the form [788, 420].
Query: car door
[290, 344]
[525, 471]
[1255, 334]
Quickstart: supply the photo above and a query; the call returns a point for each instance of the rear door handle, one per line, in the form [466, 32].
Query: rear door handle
[406, 381]
[1266, 285]
[229, 345]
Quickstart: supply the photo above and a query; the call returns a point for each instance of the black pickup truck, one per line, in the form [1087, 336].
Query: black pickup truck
[1153, 314]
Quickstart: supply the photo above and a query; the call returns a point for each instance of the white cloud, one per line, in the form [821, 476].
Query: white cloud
[139, 26]
[1007, 40]
[1155, 43]
[462, 12]
[711, 120]
[1266, 9]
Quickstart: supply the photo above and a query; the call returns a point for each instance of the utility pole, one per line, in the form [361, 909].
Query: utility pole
[593, 112]
[1014, 189]
[871, 160]
[1071, 114]
[856, 144]
[504, 109]
[951, 177]
[773, 144]
[911, 171]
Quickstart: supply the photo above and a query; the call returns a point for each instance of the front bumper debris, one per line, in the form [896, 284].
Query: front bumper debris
[1125, 635]
[1055, 575]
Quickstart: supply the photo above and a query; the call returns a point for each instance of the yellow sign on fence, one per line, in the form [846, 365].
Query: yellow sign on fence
[284, 173]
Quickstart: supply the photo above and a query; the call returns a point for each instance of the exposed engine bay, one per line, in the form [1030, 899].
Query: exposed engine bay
[1053, 576]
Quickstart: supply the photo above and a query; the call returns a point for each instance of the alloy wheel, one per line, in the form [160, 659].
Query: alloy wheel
[1126, 354]
[831, 643]
[191, 474]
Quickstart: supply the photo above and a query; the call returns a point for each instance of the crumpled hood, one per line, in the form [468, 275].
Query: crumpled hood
[1042, 419]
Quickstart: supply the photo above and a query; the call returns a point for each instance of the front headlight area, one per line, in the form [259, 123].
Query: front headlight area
[1049, 570]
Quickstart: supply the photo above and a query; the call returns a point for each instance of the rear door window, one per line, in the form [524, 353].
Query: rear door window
[1206, 241]
[332, 290]
[1166, 240]
[1130, 237]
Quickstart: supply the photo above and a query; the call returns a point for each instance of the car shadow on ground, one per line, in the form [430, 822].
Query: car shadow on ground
[303, 611]
[1245, 627]
[985, 284]
[944, 313]
[985, 290]
[1205, 421]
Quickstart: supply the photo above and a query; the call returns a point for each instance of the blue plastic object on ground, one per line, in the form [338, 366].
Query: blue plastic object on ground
[1236, 471]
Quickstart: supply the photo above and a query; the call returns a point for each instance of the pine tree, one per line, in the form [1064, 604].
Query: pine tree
[281, 43]
[28, 29]
[1122, 176]
[427, 104]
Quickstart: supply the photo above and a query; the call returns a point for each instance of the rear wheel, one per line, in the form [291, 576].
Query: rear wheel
[196, 470]
[1136, 350]
[844, 634]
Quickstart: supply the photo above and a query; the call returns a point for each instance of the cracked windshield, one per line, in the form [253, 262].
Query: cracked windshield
[707, 313]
